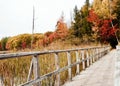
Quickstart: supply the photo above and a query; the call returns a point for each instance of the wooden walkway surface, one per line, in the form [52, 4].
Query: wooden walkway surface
[100, 73]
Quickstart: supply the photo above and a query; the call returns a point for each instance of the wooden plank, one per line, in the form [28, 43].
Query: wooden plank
[97, 52]
[83, 57]
[69, 63]
[30, 71]
[57, 81]
[20, 54]
[77, 60]
[87, 56]
[36, 69]
[1, 81]
[93, 55]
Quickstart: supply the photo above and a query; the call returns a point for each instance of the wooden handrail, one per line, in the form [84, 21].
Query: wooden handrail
[20, 54]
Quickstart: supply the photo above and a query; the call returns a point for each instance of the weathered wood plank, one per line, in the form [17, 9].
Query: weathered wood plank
[57, 81]
[77, 60]
[83, 57]
[1, 81]
[20, 54]
[36, 69]
[69, 63]
[87, 56]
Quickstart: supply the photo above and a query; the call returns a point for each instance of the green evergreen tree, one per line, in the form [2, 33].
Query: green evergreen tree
[81, 26]
[86, 27]
[77, 23]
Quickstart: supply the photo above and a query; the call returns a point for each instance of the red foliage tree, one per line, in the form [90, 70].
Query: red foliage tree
[105, 28]
[93, 18]
[107, 33]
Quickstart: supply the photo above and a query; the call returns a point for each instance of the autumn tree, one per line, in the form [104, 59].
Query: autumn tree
[97, 6]
[61, 28]
[60, 33]
[106, 31]
[48, 33]
[94, 19]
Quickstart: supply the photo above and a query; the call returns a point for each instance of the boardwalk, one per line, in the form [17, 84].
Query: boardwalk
[100, 73]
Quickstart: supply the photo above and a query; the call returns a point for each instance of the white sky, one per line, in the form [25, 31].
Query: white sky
[16, 15]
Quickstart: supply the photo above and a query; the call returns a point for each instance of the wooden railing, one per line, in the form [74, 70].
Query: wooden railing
[88, 55]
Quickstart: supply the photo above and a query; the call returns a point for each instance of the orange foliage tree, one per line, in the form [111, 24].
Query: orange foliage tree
[62, 29]
[60, 33]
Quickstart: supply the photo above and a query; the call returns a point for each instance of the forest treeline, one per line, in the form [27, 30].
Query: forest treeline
[98, 22]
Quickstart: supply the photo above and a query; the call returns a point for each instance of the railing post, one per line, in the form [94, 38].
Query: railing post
[57, 81]
[30, 71]
[100, 53]
[77, 60]
[36, 70]
[91, 56]
[97, 53]
[69, 63]
[34, 66]
[87, 55]
[104, 51]
[83, 62]
[1, 80]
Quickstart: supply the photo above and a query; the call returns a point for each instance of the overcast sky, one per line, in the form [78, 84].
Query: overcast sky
[16, 15]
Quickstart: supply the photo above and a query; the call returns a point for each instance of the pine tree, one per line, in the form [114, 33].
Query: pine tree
[86, 27]
[81, 26]
[77, 24]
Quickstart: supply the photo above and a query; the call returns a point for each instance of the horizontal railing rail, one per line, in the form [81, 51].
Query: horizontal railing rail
[88, 55]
